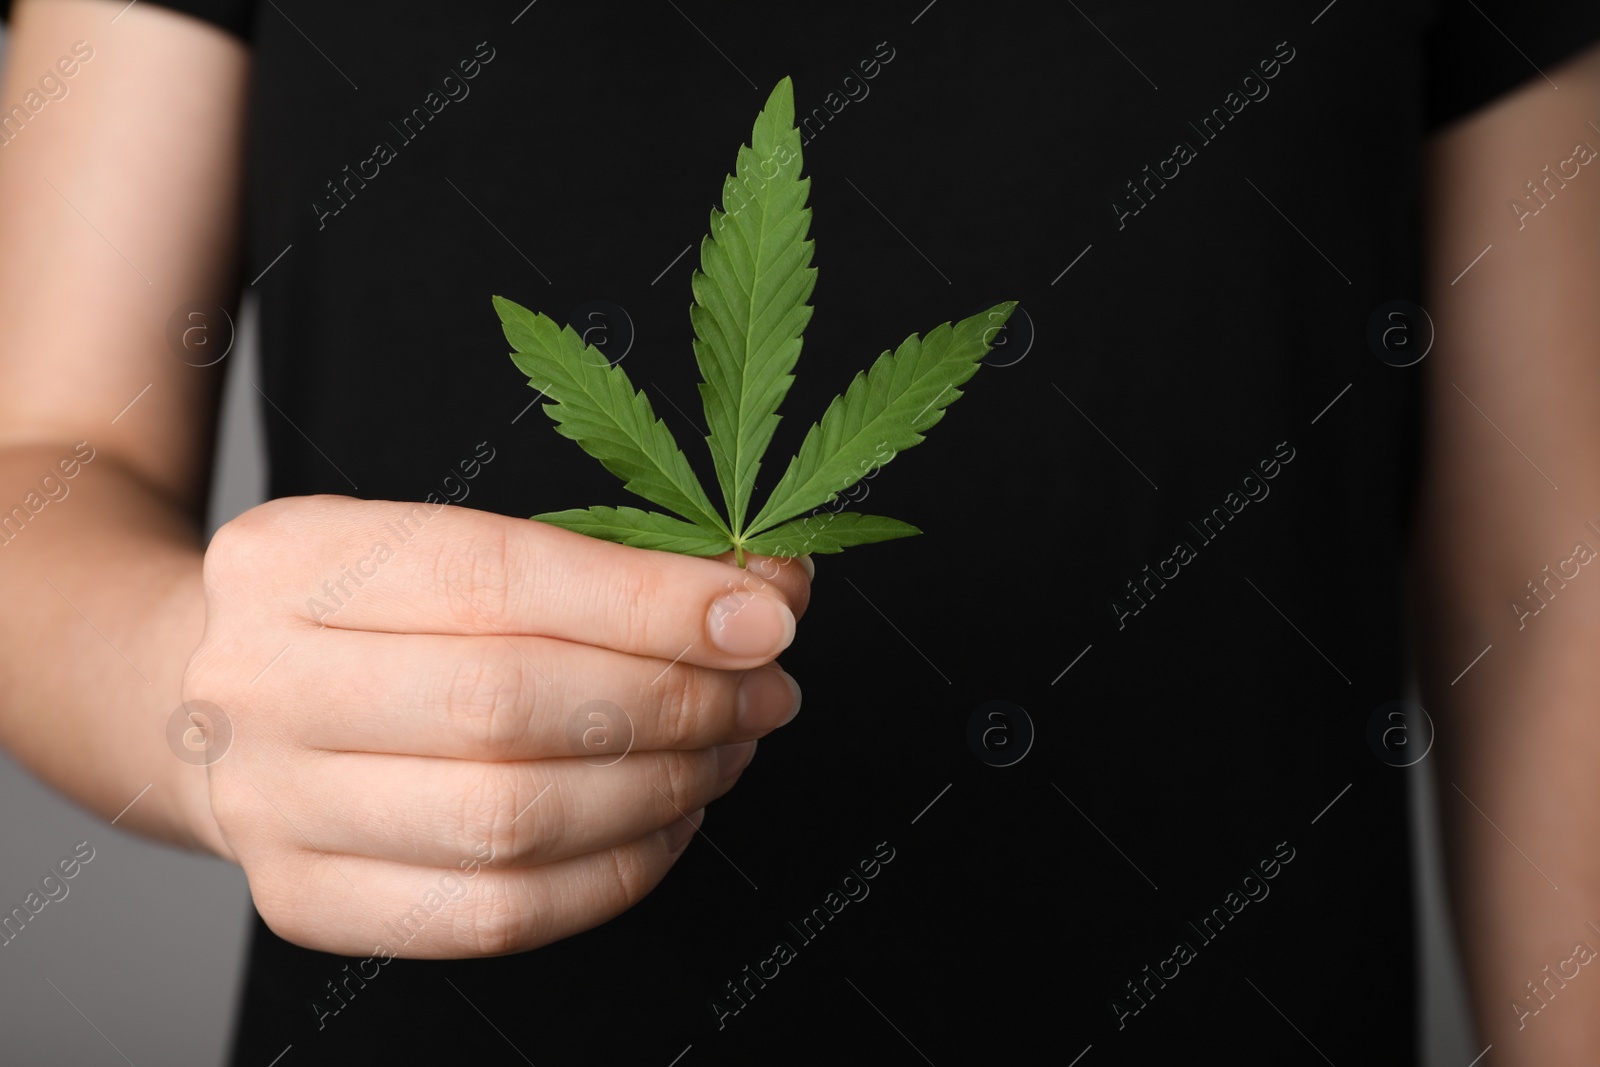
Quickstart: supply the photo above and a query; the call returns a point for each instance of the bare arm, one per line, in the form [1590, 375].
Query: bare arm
[118, 202]
[1519, 734]
[396, 754]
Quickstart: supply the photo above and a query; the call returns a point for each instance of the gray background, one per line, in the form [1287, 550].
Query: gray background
[141, 961]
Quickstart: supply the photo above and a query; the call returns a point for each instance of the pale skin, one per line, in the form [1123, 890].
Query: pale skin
[422, 714]
[427, 724]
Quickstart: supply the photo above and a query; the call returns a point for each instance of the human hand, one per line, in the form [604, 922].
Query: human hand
[409, 691]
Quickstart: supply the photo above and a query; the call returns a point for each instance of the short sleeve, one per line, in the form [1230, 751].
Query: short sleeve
[1481, 49]
[235, 16]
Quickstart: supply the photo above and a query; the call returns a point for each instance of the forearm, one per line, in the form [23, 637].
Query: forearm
[1518, 744]
[1508, 607]
[104, 606]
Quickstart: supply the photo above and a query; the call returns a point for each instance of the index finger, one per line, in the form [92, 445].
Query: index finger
[421, 568]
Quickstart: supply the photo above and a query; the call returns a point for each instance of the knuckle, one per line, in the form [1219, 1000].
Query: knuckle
[230, 808]
[686, 780]
[199, 672]
[483, 704]
[499, 921]
[280, 918]
[638, 591]
[263, 546]
[682, 707]
[236, 547]
[255, 825]
[631, 880]
[495, 811]
[228, 655]
[475, 575]
[277, 890]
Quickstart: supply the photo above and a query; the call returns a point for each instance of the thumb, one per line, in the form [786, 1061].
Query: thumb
[789, 575]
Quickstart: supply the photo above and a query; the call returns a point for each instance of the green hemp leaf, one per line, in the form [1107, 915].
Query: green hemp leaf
[750, 309]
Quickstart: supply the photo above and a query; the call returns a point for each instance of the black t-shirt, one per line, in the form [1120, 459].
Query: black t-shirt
[1164, 524]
